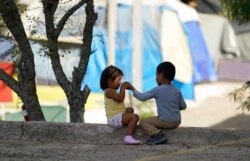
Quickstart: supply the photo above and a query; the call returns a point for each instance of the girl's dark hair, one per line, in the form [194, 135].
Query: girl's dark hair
[168, 70]
[110, 72]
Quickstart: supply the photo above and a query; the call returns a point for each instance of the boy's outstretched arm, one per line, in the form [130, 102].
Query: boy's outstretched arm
[142, 96]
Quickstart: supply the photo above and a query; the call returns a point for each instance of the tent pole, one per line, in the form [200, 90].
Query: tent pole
[112, 8]
[137, 45]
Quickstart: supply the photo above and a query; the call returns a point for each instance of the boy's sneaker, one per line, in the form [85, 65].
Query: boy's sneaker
[159, 138]
[130, 140]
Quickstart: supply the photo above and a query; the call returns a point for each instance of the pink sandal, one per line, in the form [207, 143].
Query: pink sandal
[130, 140]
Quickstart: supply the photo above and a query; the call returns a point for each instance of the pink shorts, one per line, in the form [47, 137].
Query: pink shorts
[116, 121]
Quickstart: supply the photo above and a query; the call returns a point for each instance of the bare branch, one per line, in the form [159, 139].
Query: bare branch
[63, 20]
[79, 72]
[50, 5]
[49, 8]
[10, 82]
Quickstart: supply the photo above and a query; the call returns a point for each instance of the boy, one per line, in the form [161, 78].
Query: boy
[169, 102]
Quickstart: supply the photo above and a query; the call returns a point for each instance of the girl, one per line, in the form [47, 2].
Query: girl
[117, 115]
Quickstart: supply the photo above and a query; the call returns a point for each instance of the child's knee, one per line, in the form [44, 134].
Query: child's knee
[136, 117]
[129, 110]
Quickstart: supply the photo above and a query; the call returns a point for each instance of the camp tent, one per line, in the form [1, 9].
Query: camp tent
[171, 32]
[227, 40]
[230, 39]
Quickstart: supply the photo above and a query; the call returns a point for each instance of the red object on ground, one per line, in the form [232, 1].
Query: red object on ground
[25, 113]
[5, 91]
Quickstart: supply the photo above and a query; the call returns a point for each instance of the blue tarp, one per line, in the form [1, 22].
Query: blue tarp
[202, 62]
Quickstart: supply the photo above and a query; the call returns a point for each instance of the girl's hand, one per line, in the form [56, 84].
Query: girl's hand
[118, 97]
[125, 85]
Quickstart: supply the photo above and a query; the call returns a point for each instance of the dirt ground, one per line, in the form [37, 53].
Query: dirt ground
[213, 108]
[63, 151]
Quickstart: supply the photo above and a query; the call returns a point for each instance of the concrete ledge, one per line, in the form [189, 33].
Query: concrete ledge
[103, 134]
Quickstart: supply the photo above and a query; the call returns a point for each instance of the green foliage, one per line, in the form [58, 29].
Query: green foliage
[242, 95]
[238, 10]
[145, 109]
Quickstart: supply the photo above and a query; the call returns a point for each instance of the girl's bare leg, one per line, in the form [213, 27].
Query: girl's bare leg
[131, 120]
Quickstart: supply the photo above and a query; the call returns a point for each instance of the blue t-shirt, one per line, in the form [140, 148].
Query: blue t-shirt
[169, 101]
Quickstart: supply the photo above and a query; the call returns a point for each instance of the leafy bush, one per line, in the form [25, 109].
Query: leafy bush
[237, 10]
[242, 96]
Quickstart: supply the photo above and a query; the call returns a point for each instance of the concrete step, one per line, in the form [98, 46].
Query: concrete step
[103, 134]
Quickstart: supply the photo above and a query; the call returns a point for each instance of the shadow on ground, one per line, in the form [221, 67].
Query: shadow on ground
[234, 122]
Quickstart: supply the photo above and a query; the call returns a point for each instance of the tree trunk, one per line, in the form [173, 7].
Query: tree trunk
[33, 108]
[77, 104]
[78, 74]
[25, 87]
[76, 113]
[76, 98]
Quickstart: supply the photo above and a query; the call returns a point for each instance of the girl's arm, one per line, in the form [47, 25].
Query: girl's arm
[118, 97]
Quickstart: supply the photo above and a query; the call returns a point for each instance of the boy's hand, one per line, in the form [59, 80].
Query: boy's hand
[128, 86]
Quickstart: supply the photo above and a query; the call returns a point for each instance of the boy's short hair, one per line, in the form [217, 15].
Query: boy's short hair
[110, 72]
[168, 70]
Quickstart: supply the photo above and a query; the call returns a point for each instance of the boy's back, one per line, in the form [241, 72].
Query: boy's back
[169, 101]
